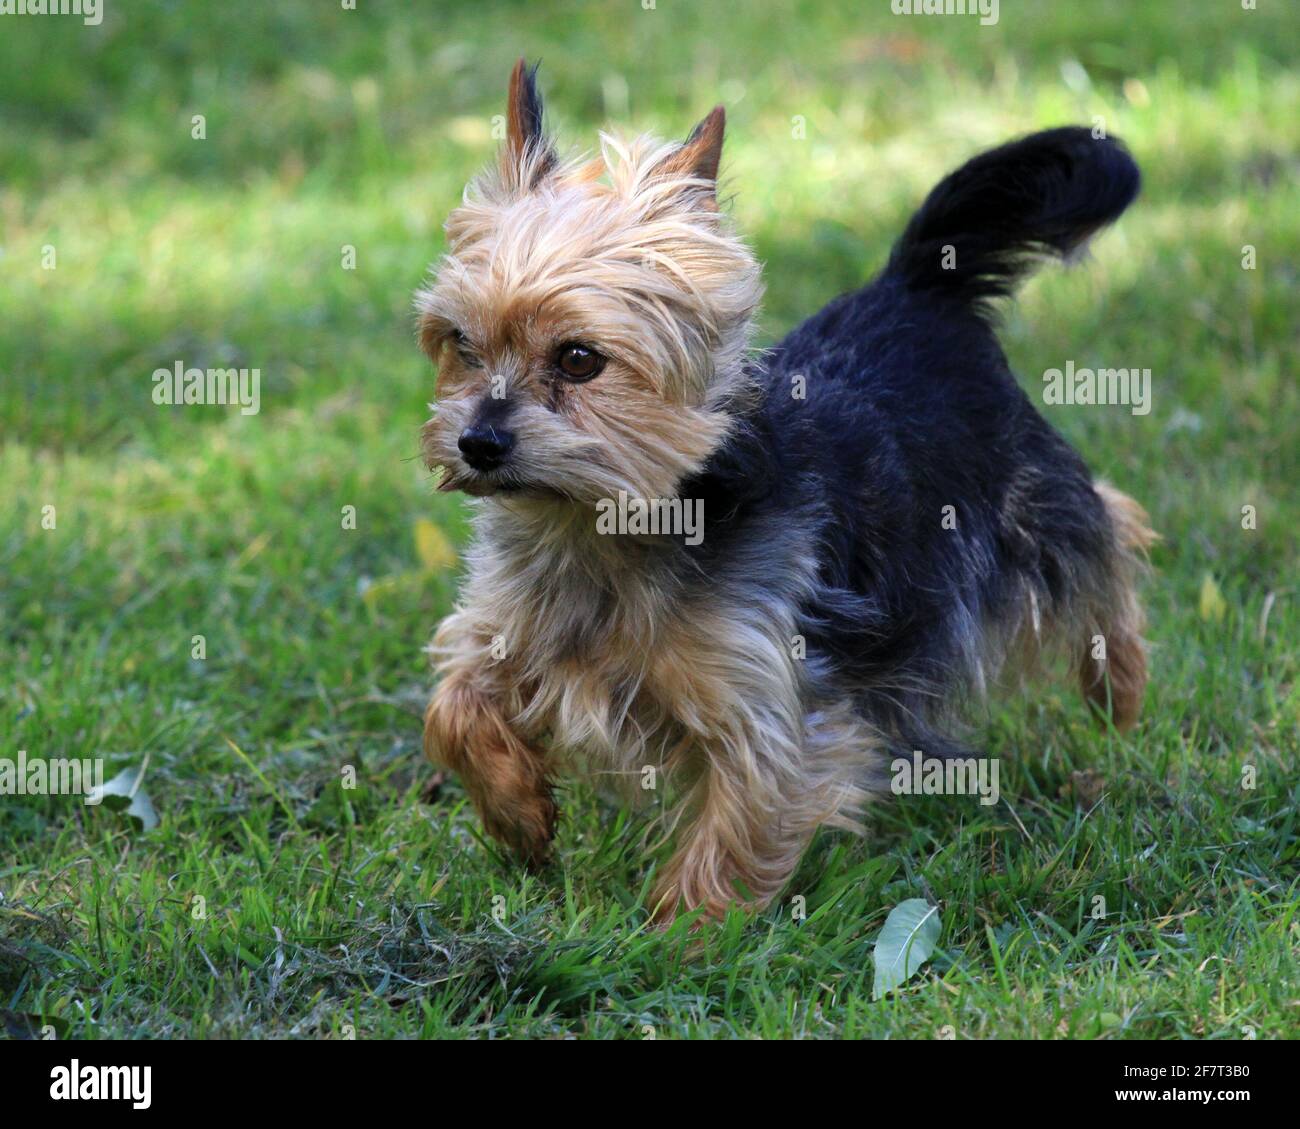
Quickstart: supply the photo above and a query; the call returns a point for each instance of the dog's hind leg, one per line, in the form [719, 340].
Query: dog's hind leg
[1113, 670]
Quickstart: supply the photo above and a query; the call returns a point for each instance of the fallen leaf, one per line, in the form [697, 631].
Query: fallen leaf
[432, 547]
[905, 943]
[1212, 604]
[124, 794]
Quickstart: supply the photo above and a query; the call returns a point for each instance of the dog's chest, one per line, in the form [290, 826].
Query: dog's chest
[591, 661]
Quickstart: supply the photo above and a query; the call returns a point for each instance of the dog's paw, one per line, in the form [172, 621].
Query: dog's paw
[525, 823]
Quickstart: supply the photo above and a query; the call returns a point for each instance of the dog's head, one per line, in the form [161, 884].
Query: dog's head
[589, 320]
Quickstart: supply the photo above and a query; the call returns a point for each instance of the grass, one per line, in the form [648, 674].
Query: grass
[271, 901]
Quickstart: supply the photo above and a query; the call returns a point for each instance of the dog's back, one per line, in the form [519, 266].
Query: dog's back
[951, 521]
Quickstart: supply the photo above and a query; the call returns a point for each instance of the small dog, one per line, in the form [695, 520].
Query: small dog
[888, 521]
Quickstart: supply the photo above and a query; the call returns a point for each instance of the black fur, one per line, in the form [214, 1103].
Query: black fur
[1044, 194]
[910, 406]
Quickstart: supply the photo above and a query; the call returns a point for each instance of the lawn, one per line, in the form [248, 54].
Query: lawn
[275, 900]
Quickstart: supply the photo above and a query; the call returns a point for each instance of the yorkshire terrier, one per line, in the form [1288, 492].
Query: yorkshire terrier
[888, 522]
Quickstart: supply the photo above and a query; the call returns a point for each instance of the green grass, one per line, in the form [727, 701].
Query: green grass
[368, 909]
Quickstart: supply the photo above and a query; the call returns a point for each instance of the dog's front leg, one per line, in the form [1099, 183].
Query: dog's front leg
[753, 797]
[748, 807]
[467, 729]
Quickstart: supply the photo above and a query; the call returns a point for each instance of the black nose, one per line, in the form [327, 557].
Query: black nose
[485, 447]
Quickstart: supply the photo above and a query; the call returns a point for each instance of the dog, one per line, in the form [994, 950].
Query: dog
[889, 524]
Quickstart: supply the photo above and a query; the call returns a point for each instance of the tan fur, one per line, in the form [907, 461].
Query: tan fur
[1115, 686]
[600, 665]
[710, 697]
[465, 730]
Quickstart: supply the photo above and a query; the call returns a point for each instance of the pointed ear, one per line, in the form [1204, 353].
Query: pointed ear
[528, 156]
[700, 153]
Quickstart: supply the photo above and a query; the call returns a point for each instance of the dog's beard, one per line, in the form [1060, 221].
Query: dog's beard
[484, 484]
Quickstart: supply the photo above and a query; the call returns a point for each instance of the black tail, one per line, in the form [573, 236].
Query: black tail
[980, 229]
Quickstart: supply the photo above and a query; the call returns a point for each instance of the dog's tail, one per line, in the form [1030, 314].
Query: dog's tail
[981, 228]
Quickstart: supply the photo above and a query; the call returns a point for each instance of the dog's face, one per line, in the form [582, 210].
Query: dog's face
[589, 320]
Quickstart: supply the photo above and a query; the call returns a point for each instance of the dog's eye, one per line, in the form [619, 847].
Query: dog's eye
[464, 350]
[577, 363]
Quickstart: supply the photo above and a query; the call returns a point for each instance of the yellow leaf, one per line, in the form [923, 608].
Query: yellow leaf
[432, 546]
[1213, 605]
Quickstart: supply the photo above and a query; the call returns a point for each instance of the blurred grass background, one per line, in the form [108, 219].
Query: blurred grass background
[327, 127]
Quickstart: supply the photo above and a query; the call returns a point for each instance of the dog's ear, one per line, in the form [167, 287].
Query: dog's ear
[528, 156]
[700, 153]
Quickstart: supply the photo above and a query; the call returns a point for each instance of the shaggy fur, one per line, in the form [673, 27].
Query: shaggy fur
[889, 523]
